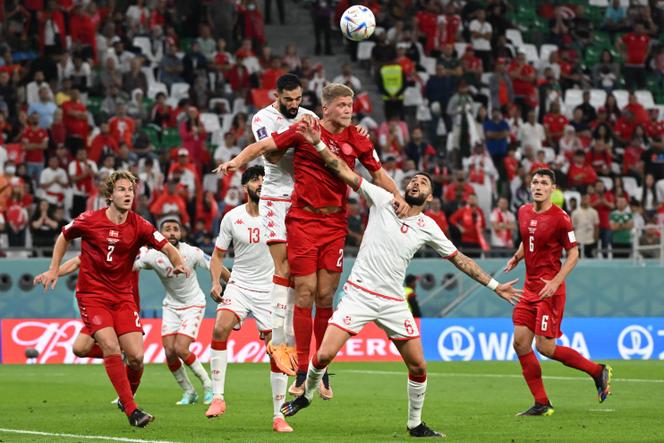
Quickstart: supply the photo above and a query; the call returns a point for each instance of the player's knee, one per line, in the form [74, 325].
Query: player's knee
[305, 295]
[545, 348]
[417, 368]
[324, 357]
[80, 351]
[182, 350]
[521, 347]
[220, 333]
[135, 361]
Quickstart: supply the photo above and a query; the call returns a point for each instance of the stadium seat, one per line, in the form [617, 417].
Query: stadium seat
[170, 138]
[569, 195]
[156, 88]
[149, 75]
[143, 43]
[531, 52]
[252, 64]
[180, 90]
[597, 98]
[514, 35]
[213, 103]
[599, 3]
[412, 96]
[210, 122]
[364, 50]
[226, 122]
[659, 187]
[429, 64]
[549, 154]
[546, 50]
[608, 183]
[622, 97]
[379, 30]
[460, 48]
[645, 98]
[573, 98]
[239, 105]
[631, 186]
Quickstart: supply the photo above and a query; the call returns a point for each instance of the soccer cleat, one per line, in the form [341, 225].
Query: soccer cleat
[119, 404]
[282, 358]
[116, 401]
[538, 409]
[188, 398]
[603, 383]
[292, 407]
[280, 425]
[140, 419]
[217, 408]
[297, 388]
[422, 430]
[324, 389]
[208, 396]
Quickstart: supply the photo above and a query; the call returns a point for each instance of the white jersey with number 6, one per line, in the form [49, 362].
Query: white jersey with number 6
[278, 181]
[252, 266]
[389, 244]
[181, 291]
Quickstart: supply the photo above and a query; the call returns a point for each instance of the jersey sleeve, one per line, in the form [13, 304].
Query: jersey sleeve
[439, 242]
[225, 236]
[143, 259]
[567, 237]
[366, 152]
[77, 227]
[287, 137]
[261, 128]
[149, 234]
[375, 195]
[202, 259]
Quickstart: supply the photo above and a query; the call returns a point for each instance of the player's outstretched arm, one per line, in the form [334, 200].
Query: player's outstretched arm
[469, 267]
[551, 286]
[179, 266]
[251, 152]
[218, 272]
[512, 262]
[69, 267]
[50, 277]
[380, 178]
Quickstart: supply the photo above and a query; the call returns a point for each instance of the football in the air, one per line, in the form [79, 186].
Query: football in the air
[357, 23]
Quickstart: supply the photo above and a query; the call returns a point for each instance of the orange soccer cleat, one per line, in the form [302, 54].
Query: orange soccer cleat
[280, 425]
[283, 358]
[217, 408]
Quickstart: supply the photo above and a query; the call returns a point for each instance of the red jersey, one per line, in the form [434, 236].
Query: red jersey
[34, 136]
[315, 185]
[122, 129]
[636, 47]
[75, 126]
[108, 251]
[655, 128]
[544, 236]
[555, 123]
[603, 210]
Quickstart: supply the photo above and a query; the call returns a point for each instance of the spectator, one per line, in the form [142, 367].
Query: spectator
[648, 197]
[293, 62]
[135, 77]
[459, 109]
[193, 135]
[503, 224]
[554, 124]
[103, 144]
[122, 127]
[469, 220]
[524, 78]
[532, 133]
[497, 132]
[632, 164]
[35, 142]
[472, 67]
[270, 75]
[500, 85]
[136, 108]
[436, 212]
[635, 47]
[170, 67]
[44, 107]
[615, 18]
[600, 158]
[418, 150]
[161, 114]
[75, 117]
[570, 143]
[481, 33]
[43, 226]
[586, 227]
[587, 109]
[254, 26]
[138, 16]
[391, 168]
[53, 182]
[121, 57]
[80, 74]
[604, 202]
[459, 184]
[411, 296]
[194, 63]
[653, 161]
[206, 43]
[347, 78]
[82, 172]
[17, 219]
[622, 222]
[580, 174]
[391, 83]
[479, 167]
[579, 124]
[33, 88]
[170, 203]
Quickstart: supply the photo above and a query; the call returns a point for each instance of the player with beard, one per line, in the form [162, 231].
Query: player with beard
[373, 291]
[247, 292]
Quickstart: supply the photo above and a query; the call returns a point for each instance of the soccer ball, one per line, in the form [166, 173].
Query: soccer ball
[357, 23]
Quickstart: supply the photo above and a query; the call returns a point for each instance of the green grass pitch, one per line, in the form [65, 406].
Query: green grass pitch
[468, 401]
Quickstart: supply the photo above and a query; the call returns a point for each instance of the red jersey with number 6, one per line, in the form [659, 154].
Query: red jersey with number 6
[108, 251]
[544, 235]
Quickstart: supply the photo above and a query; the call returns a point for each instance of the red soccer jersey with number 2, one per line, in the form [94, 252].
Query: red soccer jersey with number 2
[544, 236]
[108, 251]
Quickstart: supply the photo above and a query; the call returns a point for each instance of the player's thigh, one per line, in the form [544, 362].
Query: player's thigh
[525, 314]
[395, 318]
[273, 215]
[305, 289]
[132, 345]
[331, 251]
[83, 343]
[327, 283]
[261, 311]
[168, 342]
[107, 340]
[190, 321]
[279, 253]
[170, 321]
[413, 355]
[303, 239]
[182, 343]
[549, 316]
[353, 312]
[231, 312]
[126, 318]
[96, 314]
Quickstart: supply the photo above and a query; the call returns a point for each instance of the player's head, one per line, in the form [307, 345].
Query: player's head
[289, 95]
[170, 228]
[418, 190]
[252, 182]
[542, 185]
[337, 102]
[119, 190]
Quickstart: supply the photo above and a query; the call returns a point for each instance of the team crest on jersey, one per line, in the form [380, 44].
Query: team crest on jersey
[420, 222]
[113, 233]
[404, 228]
[533, 222]
[239, 221]
[346, 149]
[262, 133]
[347, 320]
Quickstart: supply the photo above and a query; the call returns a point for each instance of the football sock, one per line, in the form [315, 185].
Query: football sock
[218, 363]
[180, 375]
[320, 324]
[302, 326]
[134, 378]
[118, 375]
[95, 352]
[532, 372]
[570, 357]
[279, 297]
[279, 383]
[314, 376]
[288, 322]
[198, 370]
[417, 387]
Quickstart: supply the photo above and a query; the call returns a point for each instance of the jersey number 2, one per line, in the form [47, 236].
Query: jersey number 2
[254, 235]
[109, 256]
[531, 243]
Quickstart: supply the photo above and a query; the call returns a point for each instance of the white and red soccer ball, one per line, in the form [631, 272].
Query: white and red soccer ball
[357, 23]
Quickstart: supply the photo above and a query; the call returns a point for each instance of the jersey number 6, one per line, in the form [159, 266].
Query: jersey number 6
[531, 243]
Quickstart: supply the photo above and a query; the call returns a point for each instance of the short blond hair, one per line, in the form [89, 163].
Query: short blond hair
[112, 179]
[335, 90]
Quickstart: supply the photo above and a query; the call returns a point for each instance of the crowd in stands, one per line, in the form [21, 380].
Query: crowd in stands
[479, 94]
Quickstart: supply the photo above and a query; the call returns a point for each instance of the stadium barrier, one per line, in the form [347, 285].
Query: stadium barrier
[446, 339]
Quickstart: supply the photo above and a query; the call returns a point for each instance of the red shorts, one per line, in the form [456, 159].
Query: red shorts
[543, 317]
[98, 313]
[315, 241]
[86, 331]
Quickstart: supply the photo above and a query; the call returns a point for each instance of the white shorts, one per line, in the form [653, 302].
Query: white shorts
[273, 213]
[184, 321]
[357, 308]
[242, 302]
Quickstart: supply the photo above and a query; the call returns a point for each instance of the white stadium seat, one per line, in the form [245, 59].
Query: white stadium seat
[364, 50]
[546, 50]
[621, 96]
[514, 35]
[645, 98]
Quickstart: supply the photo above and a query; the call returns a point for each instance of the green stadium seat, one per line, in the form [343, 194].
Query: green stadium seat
[170, 138]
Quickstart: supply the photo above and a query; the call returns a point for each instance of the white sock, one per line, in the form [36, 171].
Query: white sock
[416, 392]
[218, 364]
[198, 369]
[279, 382]
[314, 377]
[183, 379]
[288, 322]
[279, 296]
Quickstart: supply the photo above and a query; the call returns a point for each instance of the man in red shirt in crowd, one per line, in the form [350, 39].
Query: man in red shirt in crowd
[654, 126]
[600, 158]
[524, 78]
[623, 130]
[75, 117]
[122, 127]
[438, 215]
[427, 24]
[604, 202]
[460, 183]
[35, 142]
[580, 174]
[111, 238]
[635, 47]
[554, 124]
[316, 223]
[270, 75]
[470, 221]
[103, 144]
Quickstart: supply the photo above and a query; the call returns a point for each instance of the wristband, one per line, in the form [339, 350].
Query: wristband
[320, 146]
[493, 284]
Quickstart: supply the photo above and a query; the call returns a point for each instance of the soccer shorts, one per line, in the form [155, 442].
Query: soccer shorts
[358, 307]
[184, 321]
[98, 313]
[273, 213]
[315, 241]
[244, 302]
[543, 317]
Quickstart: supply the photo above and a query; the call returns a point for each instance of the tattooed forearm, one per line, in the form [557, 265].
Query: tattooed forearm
[334, 166]
[470, 268]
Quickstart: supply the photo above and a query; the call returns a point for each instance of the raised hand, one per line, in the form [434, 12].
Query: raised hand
[309, 128]
[508, 292]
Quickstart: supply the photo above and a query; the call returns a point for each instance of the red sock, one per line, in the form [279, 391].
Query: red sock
[316, 364]
[532, 372]
[118, 376]
[274, 368]
[95, 352]
[218, 345]
[320, 324]
[417, 378]
[302, 327]
[569, 357]
[174, 365]
[191, 358]
[134, 378]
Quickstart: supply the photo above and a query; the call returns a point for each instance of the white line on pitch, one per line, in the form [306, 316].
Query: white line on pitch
[469, 374]
[87, 437]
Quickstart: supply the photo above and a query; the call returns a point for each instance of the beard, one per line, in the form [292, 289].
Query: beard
[254, 196]
[288, 113]
[415, 200]
[174, 241]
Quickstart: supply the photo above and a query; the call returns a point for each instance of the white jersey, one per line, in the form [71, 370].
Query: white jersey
[252, 266]
[389, 244]
[278, 181]
[181, 291]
